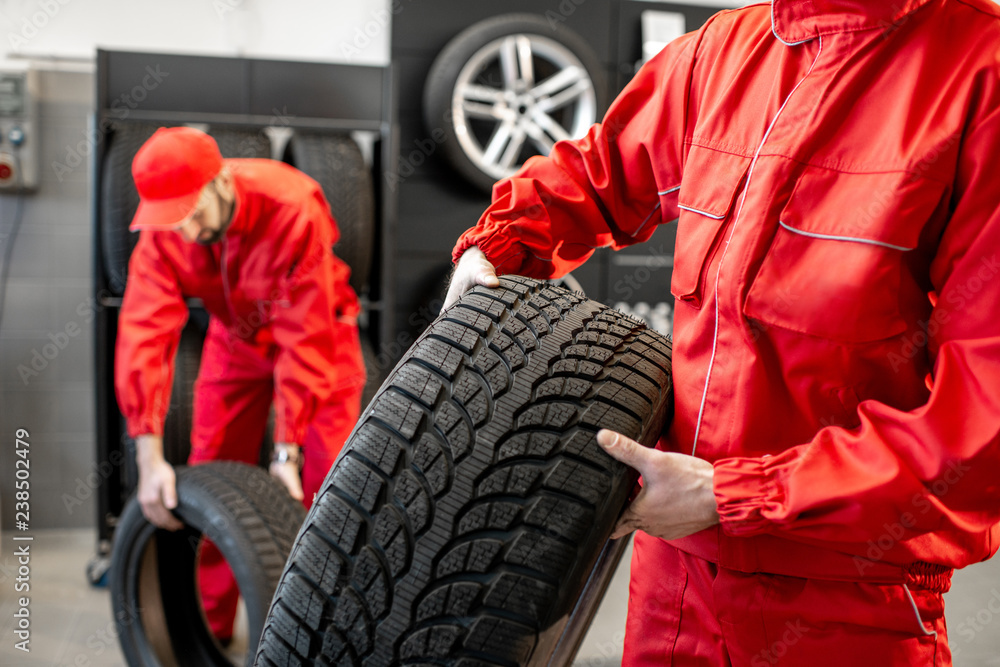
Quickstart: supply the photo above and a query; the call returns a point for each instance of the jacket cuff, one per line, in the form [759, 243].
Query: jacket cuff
[744, 488]
[137, 426]
[507, 256]
[290, 434]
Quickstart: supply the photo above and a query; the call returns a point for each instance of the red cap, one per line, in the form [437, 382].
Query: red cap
[170, 171]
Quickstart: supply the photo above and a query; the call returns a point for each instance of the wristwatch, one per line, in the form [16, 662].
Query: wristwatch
[286, 455]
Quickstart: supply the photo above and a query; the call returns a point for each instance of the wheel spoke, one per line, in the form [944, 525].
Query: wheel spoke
[509, 159]
[554, 129]
[524, 60]
[566, 96]
[498, 141]
[476, 93]
[545, 132]
[508, 62]
[566, 78]
[541, 140]
[478, 110]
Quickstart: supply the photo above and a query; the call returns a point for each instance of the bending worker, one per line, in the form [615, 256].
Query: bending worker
[253, 240]
[834, 453]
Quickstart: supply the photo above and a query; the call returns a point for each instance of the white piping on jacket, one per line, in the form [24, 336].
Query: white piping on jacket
[707, 215]
[852, 239]
[778, 37]
[655, 209]
[736, 221]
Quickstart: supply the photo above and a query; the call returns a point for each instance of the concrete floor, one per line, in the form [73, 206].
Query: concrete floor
[71, 621]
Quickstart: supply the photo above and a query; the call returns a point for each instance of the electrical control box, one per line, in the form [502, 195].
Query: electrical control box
[19, 132]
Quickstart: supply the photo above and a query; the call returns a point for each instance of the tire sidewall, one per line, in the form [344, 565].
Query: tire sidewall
[208, 518]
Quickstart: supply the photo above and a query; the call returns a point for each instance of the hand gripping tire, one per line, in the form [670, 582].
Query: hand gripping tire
[463, 520]
[154, 595]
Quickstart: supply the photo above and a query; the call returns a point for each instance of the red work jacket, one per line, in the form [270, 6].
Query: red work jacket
[831, 167]
[274, 283]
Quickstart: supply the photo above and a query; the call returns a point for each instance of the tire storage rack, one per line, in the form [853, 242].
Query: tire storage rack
[320, 109]
[439, 45]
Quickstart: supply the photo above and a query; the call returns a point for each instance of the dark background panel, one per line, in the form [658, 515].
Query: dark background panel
[434, 213]
[412, 69]
[213, 85]
[172, 81]
[421, 155]
[592, 275]
[642, 272]
[316, 90]
[427, 25]
[420, 280]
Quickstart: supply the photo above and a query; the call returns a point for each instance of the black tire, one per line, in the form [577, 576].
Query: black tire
[237, 142]
[119, 200]
[253, 521]
[336, 163]
[462, 522]
[446, 71]
[180, 415]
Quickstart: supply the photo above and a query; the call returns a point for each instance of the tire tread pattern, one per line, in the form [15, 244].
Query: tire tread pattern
[472, 499]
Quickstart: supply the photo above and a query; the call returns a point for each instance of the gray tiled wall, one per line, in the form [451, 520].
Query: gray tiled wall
[49, 280]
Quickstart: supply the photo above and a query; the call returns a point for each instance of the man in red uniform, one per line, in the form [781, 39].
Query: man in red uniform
[835, 450]
[253, 240]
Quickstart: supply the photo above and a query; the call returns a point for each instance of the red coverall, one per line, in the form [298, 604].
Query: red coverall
[284, 326]
[831, 166]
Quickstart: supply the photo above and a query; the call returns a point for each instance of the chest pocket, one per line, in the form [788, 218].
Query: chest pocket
[835, 265]
[709, 188]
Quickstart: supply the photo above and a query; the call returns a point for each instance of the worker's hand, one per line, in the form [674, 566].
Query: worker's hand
[676, 500]
[472, 269]
[157, 491]
[287, 471]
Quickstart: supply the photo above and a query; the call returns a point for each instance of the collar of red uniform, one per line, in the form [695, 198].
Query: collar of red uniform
[240, 221]
[797, 21]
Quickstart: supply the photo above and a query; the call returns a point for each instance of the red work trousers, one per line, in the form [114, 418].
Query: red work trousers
[232, 401]
[684, 610]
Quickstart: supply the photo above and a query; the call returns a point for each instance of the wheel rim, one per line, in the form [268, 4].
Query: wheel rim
[516, 97]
